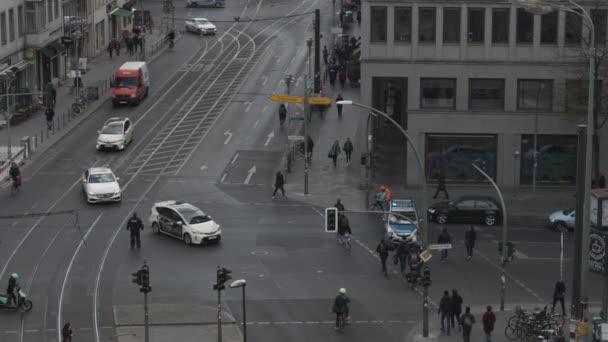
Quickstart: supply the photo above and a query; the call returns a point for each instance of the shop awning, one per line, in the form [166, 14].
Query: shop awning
[121, 12]
[48, 52]
[19, 66]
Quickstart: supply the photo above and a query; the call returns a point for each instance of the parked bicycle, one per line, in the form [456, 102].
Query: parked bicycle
[535, 326]
[80, 103]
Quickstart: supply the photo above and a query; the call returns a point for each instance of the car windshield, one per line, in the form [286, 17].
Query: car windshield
[125, 82]
[403, 218]
[568, 211]
[113, 128]
[101, 178]
[193, 215]
[201, 21]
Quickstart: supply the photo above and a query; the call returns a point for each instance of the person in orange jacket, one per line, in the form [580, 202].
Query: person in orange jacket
[387, 191]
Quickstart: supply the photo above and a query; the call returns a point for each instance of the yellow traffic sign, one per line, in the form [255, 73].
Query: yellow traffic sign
[425, 255]
[285, 98]
[319, 100]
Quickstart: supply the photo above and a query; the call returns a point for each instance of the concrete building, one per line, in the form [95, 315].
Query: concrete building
[483, 80]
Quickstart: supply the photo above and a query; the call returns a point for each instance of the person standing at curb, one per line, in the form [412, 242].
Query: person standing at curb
[50, 115]
[348, 150]
[339, 106]
[444, 238]
[441, 186]
[558, 295]
[445, 310]
[456, 309]
[135, 226]
[467, 320]
[67, 332]
[488, 319]
[469, 241]
[339, 206]
[334, 151]
[382, 250]
[279, 181]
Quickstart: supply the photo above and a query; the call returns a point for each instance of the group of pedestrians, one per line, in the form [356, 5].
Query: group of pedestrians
[470, 236]
[335, 150]
[132, 40]
[450, 310]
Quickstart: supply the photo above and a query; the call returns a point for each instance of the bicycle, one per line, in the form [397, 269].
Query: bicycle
[341, 322]
[79, 104]
[344, 241]
[16, 185]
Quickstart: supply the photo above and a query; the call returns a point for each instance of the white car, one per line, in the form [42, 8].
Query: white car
[184, 221]
[115, 134]
[101, 185]
[200, 26]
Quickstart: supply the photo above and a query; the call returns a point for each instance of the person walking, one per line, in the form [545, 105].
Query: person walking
[488, 320]
[135, 226]
[67, 333]
[135, 40]
[348, 150]
[401, 254]
[467, 320]
[333, 72]
[50, 115]
[382, 250]
[441, 186]
[339, 106]
[380, 200]
[325, 54]
[110, 48]
[311, 145]
[334, 151]
[456, 309]
[469, 241]
[279, 181]
[559, 293]
[359, 17]
[282, 114]
[339, 206]
[445, 310]
[342, 75]
[444, 238]
[116, 46]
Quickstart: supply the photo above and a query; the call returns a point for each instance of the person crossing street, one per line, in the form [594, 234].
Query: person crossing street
[444, 238]
[348, 150]
[135, 226]
[469, 241]
[382, 250]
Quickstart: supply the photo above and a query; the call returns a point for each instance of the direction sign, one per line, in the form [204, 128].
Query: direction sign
[319, 100]
[425, 256]
[295, 137]
[441, 246]
[66, 40]
[285, 98]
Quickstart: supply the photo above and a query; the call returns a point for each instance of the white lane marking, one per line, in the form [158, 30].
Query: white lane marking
[10, 332]
[31, 330]
[34, 205]
[519, 254]
[257, 122]
[264, 109]
[264, 80]
[268, 138]
[250, 173]
[67, 273]
[223, 177]
[262, 323]
[296, 322]
[298, 81]
[236, 156]
[14, 223]
[204, 167]
[228, 134]
[248, 106]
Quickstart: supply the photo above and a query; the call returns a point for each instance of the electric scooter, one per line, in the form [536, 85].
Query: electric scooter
[22, 302]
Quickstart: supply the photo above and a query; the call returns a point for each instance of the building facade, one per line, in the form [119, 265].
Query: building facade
[486, 82]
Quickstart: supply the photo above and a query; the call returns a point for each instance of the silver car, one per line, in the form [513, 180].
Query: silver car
[201, 26]
[563, 219]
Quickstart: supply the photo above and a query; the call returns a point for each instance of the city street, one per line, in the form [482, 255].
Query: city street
[207, 134]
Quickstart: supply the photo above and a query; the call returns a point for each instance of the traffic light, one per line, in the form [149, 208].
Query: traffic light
[222, 276]
[137, 277]
[145, 280]
[331, 220]
[426, 276]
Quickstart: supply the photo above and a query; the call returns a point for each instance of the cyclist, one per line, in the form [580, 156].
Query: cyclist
[343, 228]
[341, 306]
[282, 114]
[171, 37]
[15, 174]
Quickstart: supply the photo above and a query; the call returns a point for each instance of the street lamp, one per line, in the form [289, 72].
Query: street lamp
[242, 283]
[78, 36]
[309, 43]
[582, 238]
[8, 77]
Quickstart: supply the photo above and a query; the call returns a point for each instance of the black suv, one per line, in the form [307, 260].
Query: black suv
[467, 209]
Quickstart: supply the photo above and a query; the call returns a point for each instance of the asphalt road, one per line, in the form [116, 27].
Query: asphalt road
[207, 134]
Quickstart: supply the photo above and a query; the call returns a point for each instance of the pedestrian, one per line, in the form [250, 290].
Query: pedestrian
[334, 151]
[342, 75]
[444, 238]
[332, 74]
[359, 17]
[558, 295]
[311, 145]
[141, 42]
[117, 47]
[339, 206]
[67, 333]
[445, 310]
[401, 254]
[282, 114]
[129, 43]
[342, 17]
[325, 54]
[456, 309]
[279, 181]
[50, 115]
[348, 150]
[135, 41]
[382, 250]
[380, 200]
[441, 186]
[110, 48]
[488, 320]
[469, 241]
[339, 106]
[135, 226]
[387, 194]
[467, 320]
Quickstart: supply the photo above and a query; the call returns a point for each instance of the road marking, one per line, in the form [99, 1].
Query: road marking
[228, 134]
[204, 167]
[298, 81]
[296, 322]
[236, 156]
[519, 254]
[14, 223]
[265, 79]
[313, 322]
[31, 330]
[257, 122]
[250, 173]
[248, 106]
[263, 323]
[264, 109]
[223, 177]
[268, 138]
[10, 332]
[34, 205]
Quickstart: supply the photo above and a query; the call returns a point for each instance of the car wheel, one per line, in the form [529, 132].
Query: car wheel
[490, 220]
[442, 218]
[155, 228]
[187, 239]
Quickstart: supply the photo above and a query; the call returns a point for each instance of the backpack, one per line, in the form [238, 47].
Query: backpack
[413, 259]
[466, 321]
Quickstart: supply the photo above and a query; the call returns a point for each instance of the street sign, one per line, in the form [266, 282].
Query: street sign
[285, 98]
[66, 40]
[336, 30]
[425, 256]
[295, 137]
[319, 100]
[441, 246]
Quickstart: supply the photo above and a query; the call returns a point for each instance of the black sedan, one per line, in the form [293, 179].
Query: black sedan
[467, 209]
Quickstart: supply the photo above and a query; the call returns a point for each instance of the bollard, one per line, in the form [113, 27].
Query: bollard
[41, 136]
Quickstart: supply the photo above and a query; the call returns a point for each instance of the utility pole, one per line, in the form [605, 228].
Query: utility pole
[306, 118]
[222, 276]
[317, 78]
[142, 278]
[142, 34]
[580, 244]
[426, 283]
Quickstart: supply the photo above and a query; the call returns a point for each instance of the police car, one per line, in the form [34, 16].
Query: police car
[403, 224]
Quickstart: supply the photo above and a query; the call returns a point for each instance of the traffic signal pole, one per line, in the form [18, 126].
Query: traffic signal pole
[219, 315]
[223, 275]
[142, 278]
[317, 75]
[146, 331]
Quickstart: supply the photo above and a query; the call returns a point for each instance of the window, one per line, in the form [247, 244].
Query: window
[20, 20]
[438, 93]
[500, 25]
[555, 161]
[525, 26]
[476, 25]
[577, 95]
[466, 204]
[535, 94]
[56, 9]
[599, 18]
[3, 27]
[403, 24]
[378, 24]
[451, 25]
[11, 24]
[574, 28]
[453, 154]
[30, 17]
[483, 205]
[426, 25]
[49, 9]
[548, 28]
[487, 94]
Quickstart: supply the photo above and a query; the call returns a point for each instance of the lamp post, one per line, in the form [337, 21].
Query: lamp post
[581, 258]
[309, 44]
[242, 283]
[8, 77]
[78, 36]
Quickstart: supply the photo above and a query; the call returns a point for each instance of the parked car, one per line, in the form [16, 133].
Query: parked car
[184, 221]
[200, 26]
[467, 209]
[116, 133]
[562, 219]
[403, 223]
[99, 184]
[205, 3]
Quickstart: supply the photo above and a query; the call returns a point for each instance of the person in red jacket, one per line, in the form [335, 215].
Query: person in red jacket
[488, 320]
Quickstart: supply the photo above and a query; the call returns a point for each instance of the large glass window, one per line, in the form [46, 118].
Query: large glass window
[389, 94]
[11, 24]
[49, 10]
[56, 9]
[426, 25]
[20, 20]
[487, 94]
[535, 94]
[500, 25]
[476, 26]
[525, 26]
[438, 93]
[600, 16]
[577, 95]
[451, 25]
[403, 24]
[453, 155]
[574, 28]
[3, 27]
[378, 24]
[556, 158]
[548, 28]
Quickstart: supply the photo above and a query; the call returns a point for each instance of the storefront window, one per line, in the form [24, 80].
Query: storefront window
[556, 158]
[453, 155]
